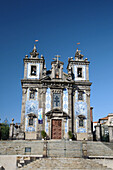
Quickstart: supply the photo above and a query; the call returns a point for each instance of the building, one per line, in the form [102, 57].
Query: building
[103, 129]
[53, 100]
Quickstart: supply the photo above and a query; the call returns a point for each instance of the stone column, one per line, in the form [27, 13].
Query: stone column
[70, 109]
[11, 130]
[45, 148]
[87, 72]
[98, 132]
[84, 149]
[43, 105]
[25, 70]
[110, 129]
[24, 94]
[89, 132]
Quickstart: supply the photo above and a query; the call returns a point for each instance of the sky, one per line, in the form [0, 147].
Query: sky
[58, 25]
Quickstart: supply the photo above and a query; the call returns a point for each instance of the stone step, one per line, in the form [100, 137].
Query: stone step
[65, 163]
[98, 149]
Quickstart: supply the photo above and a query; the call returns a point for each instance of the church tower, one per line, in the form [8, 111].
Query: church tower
[34, 70]
[54, 101]
[79, 69]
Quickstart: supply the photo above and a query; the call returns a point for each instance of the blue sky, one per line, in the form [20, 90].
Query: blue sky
[58, 25]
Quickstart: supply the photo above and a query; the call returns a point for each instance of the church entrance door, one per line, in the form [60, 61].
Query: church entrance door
[56, 129]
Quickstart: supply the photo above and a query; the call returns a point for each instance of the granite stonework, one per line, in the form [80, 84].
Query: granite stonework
[54, 101]
[104, 128]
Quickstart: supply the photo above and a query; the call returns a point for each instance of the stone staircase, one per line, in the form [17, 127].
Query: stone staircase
[65, 163]
[64, 149]
[98, 149]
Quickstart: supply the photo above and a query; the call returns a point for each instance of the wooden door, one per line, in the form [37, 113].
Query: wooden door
[56, 129]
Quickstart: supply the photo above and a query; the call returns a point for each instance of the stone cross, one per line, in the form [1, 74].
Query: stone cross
[57, 56]
[56, 100]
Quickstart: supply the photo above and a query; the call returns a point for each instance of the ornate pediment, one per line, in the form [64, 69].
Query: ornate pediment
[57, 113]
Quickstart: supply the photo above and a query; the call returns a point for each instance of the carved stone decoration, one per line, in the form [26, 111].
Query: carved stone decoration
[53, 97]
[88, 93]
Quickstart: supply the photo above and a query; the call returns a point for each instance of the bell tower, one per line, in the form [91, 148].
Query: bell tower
[78, 68]
[34, 68]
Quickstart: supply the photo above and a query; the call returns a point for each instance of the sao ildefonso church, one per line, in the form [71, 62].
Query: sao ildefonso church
[54, 101]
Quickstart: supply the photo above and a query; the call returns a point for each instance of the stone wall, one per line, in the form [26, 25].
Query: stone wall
[55, 148]
[18, 147]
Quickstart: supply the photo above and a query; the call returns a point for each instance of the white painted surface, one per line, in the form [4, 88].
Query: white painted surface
[8, 162]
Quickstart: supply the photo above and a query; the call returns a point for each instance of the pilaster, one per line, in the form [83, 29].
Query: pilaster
[25, 70]
[98, 130]
[110, 129]
[89, 132]
[24, 95]
[43, 105]
[70, 108]
[87, 72]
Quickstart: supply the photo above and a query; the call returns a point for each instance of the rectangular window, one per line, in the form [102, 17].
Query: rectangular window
[32, 95]
[56, 100]
[27, 149]
[31, 122]
[79, 72]
[80, 95]
[81, 123]
[33, 70]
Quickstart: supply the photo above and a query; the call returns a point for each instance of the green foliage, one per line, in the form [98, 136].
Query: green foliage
[4, 131]
[70, 135]
[43, 133]
[105, 138]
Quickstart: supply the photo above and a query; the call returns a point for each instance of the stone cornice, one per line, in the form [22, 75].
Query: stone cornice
[54, 84]
[73, 62]
[33, 60]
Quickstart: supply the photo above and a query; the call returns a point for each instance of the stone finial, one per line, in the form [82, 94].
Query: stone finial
[26, 56]
[34, 53]
[78, 55]
[34, 49]
[42, 56]
[12, 120]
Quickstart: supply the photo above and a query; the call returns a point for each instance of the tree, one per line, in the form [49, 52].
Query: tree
[4, 131]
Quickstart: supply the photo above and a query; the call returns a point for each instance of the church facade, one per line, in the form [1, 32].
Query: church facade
[54, 101]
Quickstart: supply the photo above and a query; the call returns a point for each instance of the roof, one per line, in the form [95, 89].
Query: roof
[104, 118]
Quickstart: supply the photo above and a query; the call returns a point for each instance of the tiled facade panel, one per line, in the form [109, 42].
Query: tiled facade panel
[47, 107]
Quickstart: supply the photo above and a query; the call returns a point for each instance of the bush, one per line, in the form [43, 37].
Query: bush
[43, 133]
[4, 131]
[70, 135]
